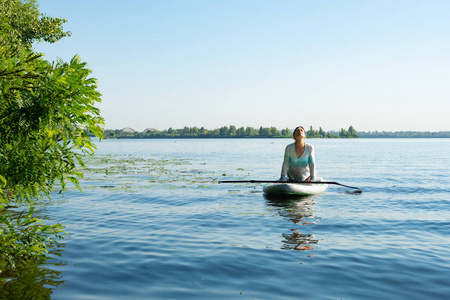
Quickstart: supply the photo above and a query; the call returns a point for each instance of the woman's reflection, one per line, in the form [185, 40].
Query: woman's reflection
[299, 211]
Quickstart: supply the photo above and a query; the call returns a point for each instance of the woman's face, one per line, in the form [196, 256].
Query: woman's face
[299, 132]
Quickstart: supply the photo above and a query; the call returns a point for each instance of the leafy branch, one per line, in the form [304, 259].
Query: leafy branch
[45, 110]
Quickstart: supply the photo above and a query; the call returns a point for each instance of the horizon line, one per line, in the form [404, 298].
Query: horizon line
[365, 131]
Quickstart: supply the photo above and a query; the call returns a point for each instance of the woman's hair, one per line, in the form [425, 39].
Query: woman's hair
[298, 128]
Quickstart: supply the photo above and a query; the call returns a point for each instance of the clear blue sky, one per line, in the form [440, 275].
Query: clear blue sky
[375, 65]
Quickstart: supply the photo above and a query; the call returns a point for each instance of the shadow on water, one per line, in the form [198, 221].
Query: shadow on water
[299, 211]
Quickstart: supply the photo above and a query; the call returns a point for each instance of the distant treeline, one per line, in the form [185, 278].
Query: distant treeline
[263, 132]
[224, 132]
[404, 134]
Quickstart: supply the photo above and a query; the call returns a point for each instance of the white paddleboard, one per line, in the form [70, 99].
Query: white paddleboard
[299, 189]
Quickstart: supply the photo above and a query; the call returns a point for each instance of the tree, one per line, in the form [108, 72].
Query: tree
[330, 136]
[322, 133]
[274, 131]
[46, 110]
[26, 24]
[232, 131]
[264, 131]
[250, 131]
[352, 132]
[195, 131]
[311, 133]
[343, 133]
[241, 132]
[223, 131]
[286, 132]
[186, 131]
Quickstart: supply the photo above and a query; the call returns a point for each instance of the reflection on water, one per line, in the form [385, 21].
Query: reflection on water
[298, 210]
[152, 224]
[35, 281]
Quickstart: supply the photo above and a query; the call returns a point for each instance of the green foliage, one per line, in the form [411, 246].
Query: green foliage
[34, 282]
[311, 133]
[24, 238]
[350, 133]
[194, 132]
[46, 110]
[404, 134]
[28, 24]
[250, 132]
[322, 133]
[42, 122]
[286, 132]
[223, 132]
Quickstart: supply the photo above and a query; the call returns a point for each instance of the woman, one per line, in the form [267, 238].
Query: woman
[299, 161]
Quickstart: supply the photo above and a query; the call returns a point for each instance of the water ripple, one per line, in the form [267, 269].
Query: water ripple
[153, 223]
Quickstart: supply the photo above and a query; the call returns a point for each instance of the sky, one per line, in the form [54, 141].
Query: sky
[374, 65]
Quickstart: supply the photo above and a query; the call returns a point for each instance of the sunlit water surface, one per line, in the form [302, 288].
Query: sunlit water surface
[152, 223]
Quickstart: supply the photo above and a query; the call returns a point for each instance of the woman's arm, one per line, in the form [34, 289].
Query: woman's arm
[312, 164]
[285, 166]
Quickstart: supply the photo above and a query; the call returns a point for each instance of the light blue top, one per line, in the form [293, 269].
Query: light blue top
[298, 168]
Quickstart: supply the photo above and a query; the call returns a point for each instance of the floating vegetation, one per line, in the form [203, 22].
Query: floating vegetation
[125, 172]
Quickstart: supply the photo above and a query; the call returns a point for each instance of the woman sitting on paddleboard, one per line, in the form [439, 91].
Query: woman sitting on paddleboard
[299, 161]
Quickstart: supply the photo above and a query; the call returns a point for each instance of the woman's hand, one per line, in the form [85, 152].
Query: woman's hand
[283, 178]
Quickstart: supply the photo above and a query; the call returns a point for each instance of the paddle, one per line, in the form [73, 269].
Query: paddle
[358, 190]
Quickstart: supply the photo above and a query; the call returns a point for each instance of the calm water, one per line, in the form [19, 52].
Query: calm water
[153, 224]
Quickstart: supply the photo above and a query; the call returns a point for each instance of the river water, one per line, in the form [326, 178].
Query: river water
[152, 223]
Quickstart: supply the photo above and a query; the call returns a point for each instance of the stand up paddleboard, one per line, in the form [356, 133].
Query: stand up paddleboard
[280, 188]
[294, 189]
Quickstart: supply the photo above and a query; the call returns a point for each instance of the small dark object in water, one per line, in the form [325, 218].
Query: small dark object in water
[354, 192]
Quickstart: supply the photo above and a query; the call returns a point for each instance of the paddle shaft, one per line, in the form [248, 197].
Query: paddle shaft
[279, 181]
